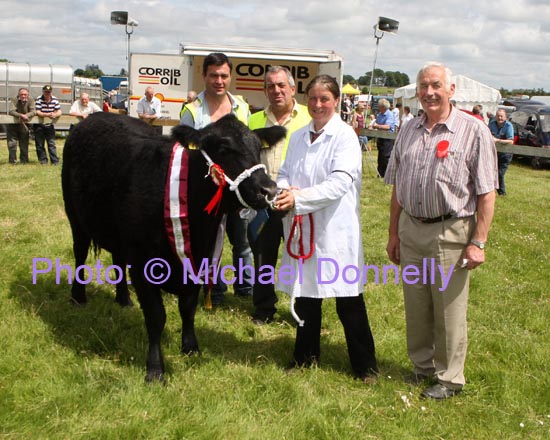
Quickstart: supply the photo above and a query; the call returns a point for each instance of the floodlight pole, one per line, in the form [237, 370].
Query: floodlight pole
[129, 32]
[378, 38]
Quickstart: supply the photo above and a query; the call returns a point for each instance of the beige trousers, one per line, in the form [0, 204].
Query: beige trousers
[436, 319]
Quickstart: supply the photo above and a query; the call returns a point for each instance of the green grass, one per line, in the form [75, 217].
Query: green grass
[78, 373]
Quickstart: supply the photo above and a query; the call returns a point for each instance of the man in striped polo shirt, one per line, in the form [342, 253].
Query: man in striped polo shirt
[444, 171]
[47, 107]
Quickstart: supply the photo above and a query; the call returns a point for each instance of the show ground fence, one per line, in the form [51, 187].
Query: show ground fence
[522, 150]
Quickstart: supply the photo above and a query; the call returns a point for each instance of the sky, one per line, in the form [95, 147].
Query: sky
[505, 43]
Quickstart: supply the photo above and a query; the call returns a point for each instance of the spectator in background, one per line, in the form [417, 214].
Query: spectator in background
[21, 107]
[358, 123]
[476, 112]
[265, 237]
[48, 108]
[407, 116]
[396, 115]
[107, 104]
[191, 96]
[384, 121]
[149, 106]
[82, 108]
[346, 111]
[503, 132]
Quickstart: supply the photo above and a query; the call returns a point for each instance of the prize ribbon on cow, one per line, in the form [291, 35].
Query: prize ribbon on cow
[218, 177]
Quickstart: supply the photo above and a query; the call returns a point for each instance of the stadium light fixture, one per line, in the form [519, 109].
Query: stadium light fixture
[384, 25]
[122, 18]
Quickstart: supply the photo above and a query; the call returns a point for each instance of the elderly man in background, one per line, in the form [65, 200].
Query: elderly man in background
[266, 231]
[503, 132]
[384, 121]
[83, 107]
[444, 173]
[22, 108]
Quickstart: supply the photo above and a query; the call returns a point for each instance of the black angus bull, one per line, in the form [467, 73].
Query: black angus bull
[113, 178]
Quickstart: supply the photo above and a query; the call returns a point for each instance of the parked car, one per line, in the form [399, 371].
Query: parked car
[520, 103]
[532, 128]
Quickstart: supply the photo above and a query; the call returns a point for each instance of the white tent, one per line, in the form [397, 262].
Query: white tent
[468, 93]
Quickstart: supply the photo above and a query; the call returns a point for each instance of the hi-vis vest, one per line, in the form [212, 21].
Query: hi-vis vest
[302, 118]
[241, 112]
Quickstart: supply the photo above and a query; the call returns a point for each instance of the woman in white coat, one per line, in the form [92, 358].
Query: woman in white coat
[322, 175]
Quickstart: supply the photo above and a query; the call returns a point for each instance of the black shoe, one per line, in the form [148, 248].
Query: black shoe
[440, 392]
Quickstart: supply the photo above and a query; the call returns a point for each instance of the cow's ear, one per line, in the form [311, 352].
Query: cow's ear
[271, 135]
[185, 135]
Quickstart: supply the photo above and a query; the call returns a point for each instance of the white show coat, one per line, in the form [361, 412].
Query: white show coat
[328, 173]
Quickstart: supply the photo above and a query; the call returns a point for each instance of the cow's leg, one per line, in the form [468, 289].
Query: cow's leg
[122, 293]
[187, 304]
[150, 300]
[81, 245]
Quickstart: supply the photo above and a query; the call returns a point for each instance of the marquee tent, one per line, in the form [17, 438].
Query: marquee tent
[468, 93]
[348, 89]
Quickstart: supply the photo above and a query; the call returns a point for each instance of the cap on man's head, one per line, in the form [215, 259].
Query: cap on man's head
[47, 88]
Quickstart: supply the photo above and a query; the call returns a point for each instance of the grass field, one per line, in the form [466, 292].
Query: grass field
[78, 373]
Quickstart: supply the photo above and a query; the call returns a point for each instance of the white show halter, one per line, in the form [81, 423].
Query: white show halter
[234, 184]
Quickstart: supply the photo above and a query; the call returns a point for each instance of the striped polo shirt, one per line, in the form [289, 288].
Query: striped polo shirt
[47, 107]
[430, 186]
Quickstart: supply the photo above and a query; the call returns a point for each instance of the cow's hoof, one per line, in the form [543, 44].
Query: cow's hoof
[190, 350]
[78, 301]
[154, 377]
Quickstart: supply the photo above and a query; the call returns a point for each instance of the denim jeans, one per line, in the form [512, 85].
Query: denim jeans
[504, 161]
[42, 134]
[236, 229]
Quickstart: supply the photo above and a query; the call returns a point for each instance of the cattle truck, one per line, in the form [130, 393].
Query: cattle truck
[173, 75]
[65, 86]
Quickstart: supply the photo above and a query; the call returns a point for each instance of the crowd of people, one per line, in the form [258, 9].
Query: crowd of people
[443, 169]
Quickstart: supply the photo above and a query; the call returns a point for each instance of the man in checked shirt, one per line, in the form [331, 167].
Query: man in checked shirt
[444, 174]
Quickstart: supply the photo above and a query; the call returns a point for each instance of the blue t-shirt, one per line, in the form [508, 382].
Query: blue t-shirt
[504, 132]
[386, 118]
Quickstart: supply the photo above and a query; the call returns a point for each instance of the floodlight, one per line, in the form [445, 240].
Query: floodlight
[387, 25]
[119, 17]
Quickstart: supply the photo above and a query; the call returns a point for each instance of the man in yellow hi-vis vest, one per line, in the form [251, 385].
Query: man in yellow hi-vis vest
[211, 104]
[266, 231]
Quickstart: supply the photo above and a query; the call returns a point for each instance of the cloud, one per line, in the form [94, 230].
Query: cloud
[487, 41]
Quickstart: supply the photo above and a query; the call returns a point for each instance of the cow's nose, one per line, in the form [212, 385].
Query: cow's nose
[269, 191]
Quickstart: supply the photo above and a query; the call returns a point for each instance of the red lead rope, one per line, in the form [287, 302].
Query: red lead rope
[298, 222]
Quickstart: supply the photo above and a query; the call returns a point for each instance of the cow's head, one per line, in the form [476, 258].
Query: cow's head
[231, 145]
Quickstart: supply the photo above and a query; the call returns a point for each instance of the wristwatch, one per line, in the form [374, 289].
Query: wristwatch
[479, 244]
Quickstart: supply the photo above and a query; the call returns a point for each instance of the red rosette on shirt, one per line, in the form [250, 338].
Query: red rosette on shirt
[442, 149]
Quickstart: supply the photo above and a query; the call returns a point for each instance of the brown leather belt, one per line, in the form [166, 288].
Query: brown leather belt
[435, 219]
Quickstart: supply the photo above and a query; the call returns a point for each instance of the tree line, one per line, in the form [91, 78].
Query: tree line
[93, 71]
[397, 79]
